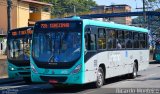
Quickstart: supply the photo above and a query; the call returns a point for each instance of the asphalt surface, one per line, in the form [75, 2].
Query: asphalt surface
[147, 82]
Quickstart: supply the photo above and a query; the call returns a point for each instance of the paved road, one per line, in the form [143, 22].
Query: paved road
[147, 81]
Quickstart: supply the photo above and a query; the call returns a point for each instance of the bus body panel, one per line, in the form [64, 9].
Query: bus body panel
[157, 56]
[116, 62]
[70, 78]
[156, 53]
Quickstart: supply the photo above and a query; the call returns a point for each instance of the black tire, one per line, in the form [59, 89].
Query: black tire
[100, 78]
[134, 73]
[27, 80]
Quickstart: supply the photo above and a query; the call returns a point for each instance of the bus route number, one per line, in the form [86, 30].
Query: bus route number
[44, 26]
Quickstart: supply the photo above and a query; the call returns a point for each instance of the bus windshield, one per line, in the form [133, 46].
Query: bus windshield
[19, 48]
[57, 46]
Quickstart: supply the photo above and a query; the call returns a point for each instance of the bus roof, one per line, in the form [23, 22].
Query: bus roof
[100, 23]
[22, 28]
[114, 25]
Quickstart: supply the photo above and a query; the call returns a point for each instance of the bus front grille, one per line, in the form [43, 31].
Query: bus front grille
[59, 79]
[24, 73]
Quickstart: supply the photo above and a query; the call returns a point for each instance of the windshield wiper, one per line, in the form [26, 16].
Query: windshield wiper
[51, 59]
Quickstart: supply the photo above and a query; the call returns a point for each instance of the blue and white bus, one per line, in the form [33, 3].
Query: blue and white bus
[80, 51]
[18, 53]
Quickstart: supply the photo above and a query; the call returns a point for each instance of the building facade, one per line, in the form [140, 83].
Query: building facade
[23, 13]
[114, 9]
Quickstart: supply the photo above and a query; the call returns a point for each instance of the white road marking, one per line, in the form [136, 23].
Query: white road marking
[11, 87]
[89, 92]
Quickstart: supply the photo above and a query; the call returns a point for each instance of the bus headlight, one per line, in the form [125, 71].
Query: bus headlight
[33, 68]
[77, 69]
[11, 68]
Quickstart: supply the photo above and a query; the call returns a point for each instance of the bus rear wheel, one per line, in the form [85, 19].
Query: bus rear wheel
[100, 78]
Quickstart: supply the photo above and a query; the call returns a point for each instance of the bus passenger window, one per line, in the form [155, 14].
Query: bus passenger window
[110, 39]
[121, 39]
[128, 39]
[101, 38]
[86, 42]
[135, 38]
[142, 40]
[119, 46]
[90, 41]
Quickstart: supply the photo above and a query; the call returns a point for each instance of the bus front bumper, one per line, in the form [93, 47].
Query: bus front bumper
[19, 73]
[55, 79]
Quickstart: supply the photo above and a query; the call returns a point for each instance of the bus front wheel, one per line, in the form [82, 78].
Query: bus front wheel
[100, 78]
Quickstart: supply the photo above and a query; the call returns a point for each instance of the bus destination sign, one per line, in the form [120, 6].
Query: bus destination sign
[23, 32]
[55, 25]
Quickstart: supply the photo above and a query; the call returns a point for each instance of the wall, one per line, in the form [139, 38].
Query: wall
[45, 16]
[39, 14]
[3, 15]
[22, 14]
[35, 16]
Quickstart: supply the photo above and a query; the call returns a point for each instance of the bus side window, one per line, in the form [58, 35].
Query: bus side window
[146, 41]
[128, 39]
[93, 42]
[90, 41]
[142, 40]
[135, 38]
[86, 41]
[110, 39]
[121, 39]
[101, 38]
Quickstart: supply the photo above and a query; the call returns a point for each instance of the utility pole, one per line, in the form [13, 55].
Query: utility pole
[9, 4]
[144, 11]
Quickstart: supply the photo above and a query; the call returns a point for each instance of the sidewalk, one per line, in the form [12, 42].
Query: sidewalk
[2, 77]
[3, 67]
[3, 57]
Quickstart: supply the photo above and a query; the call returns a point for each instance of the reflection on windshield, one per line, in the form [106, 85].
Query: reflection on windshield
[19, 49]
[57, 46]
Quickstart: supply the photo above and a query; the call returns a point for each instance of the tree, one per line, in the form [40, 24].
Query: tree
[62, 8]
[151, 0]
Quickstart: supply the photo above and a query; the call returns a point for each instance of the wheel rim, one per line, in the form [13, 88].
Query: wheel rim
[100, 78]
[134, 72]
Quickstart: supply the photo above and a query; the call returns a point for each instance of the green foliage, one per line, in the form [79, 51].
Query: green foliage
[69, 7]
[151, 0]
